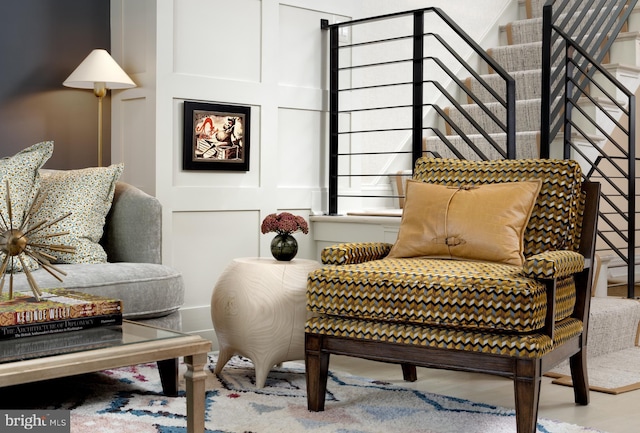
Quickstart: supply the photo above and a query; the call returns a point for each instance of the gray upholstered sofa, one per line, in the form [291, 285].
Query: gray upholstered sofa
[151, 292]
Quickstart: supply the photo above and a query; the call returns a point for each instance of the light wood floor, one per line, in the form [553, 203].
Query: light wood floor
[608, 413]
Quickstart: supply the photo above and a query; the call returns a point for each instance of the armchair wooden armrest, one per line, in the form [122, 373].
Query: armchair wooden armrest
[353, 253]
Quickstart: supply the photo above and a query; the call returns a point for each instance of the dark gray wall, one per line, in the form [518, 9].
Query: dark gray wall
[41, 43]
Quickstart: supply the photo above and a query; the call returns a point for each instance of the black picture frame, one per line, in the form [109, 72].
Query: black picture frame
[216, 137]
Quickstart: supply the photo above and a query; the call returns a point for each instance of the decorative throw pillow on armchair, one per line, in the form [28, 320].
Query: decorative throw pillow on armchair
[476, 222]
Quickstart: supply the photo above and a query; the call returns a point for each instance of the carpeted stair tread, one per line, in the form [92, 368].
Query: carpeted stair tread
[527, 117]
[523, 57]
[524, 31]
[528, 145]
[527, 85]
[613, 324]
[530, 30]
[534, 7]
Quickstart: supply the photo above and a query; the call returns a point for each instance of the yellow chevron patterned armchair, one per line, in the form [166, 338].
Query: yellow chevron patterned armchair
[490, 273]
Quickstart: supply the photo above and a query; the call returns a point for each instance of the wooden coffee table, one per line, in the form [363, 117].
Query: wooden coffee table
[138, 344]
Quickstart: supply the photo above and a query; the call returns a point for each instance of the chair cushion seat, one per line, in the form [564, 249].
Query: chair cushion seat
[437, 292]
[534, 345]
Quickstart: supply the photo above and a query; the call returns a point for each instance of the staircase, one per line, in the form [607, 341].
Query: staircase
[521, 56]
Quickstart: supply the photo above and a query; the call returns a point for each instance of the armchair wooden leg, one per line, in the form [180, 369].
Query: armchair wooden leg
[317, 370]
[409, 372]
[579, 377]
[527, 395]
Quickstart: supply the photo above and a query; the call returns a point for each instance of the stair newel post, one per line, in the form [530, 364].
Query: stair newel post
[418, 71]
[333, 114]
[545, 109]
[568, 92]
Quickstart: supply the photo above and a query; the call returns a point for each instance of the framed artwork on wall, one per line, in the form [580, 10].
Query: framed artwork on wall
[216, 137]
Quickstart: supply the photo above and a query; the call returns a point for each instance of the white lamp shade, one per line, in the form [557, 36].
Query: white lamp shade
[99, 67]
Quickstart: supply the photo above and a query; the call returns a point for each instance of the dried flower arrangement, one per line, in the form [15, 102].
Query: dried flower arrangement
[284, 223]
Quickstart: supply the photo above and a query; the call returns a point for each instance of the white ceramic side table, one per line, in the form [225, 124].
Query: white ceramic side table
[258, 309]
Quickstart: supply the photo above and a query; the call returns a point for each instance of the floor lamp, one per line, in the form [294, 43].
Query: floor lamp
[98, 71]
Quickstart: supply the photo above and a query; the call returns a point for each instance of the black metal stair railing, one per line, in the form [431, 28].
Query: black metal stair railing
[438, 73]
[588, 115]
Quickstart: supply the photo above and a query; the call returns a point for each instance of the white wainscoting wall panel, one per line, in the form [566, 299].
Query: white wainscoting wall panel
[205, 243]
[209, 42]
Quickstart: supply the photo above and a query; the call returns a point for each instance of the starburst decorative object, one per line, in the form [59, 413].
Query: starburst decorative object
[27, 239]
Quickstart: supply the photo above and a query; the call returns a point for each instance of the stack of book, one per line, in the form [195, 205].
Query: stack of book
[59, 310]
[47, 345]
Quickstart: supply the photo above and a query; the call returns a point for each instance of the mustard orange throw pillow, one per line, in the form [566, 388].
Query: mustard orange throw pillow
[474, 222]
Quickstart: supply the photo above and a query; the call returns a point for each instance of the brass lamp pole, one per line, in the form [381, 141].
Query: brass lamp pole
[100, 90]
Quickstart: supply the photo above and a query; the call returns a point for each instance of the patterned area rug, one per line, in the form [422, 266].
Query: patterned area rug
[130, 400]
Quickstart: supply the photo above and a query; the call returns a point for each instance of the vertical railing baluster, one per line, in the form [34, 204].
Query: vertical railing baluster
[334, 76]
[568, 106]
[418, 79]
[545, 109]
